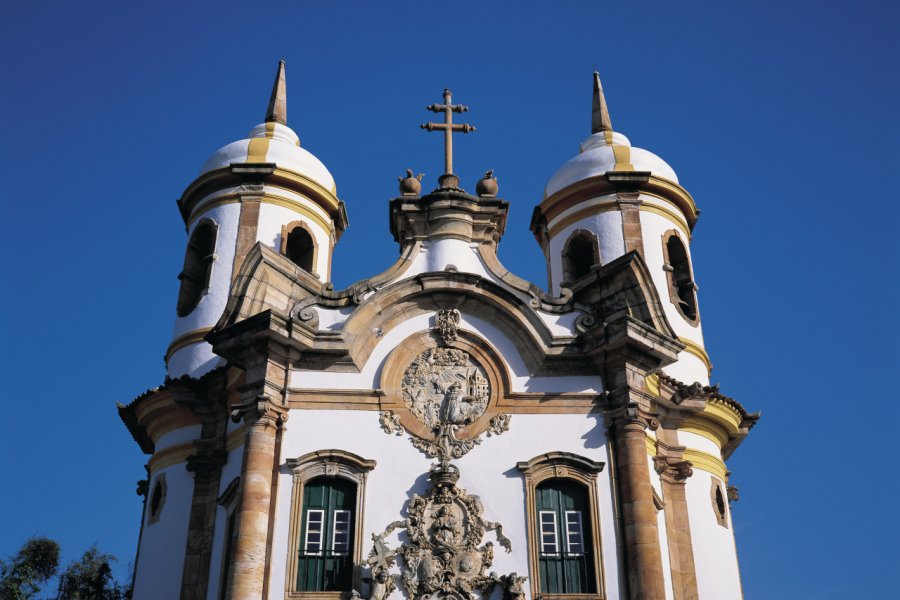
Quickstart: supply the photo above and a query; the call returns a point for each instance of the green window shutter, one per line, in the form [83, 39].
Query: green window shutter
[325, 561]
[565, 549]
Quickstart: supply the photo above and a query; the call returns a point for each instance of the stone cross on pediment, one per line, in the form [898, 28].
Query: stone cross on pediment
[448, 126]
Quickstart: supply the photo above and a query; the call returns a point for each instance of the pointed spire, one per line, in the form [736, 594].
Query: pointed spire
[600, 115]
[277, 112]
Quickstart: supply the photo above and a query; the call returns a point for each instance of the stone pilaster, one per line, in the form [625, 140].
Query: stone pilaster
[643, 559]
[263, 418]
[673, 472]
[206, 465]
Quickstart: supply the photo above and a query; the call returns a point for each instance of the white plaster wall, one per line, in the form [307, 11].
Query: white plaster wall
[178, 436]
[606, 225]
[197, 359]
[715, 556]
[272, 217]
[663, 533]
[161, 560]
[560, 324]
[370, 375]
[698, 442]
[488, 471]
[437, 255]
[653, 226]
[194, 360]
[230, 470]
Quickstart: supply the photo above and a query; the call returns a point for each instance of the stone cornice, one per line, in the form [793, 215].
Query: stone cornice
[447, 213]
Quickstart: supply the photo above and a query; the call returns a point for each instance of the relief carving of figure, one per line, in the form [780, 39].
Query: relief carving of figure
[444, 386]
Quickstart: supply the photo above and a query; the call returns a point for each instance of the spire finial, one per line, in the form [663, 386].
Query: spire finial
[277, 111]
[600, 115]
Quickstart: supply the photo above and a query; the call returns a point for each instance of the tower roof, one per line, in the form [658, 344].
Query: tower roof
[277, 111]
[273, 142]
[606, 151]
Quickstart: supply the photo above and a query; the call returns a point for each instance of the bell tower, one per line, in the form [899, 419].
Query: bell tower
[265, 188]
[612, 199]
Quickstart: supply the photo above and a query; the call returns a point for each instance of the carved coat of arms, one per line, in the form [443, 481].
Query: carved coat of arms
[444, 557]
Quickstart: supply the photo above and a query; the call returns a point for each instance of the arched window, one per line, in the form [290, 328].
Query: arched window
[157, 499]
[565, 553]
[682, 290]
[198, 262]
[297, 244]
[326, 522]
[580, 254]
[324, 562]
[563, 524]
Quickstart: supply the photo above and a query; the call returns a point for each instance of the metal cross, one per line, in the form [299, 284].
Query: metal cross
[448, 126]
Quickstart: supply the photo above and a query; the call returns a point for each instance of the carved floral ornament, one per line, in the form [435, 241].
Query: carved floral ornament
[442, 392]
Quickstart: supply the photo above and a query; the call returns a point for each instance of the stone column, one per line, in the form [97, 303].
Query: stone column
[642, 549]
[263, 419]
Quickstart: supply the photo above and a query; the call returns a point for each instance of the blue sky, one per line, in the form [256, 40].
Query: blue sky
[780, 119]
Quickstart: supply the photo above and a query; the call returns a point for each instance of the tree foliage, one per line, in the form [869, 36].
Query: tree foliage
[23, 574]
[90, 578]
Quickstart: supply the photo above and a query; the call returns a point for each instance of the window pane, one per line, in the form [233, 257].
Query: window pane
[574, 535]
[340, 543]
[314, 522]
[549, 543]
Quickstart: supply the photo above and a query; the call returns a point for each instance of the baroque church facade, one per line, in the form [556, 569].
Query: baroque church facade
[444, 429]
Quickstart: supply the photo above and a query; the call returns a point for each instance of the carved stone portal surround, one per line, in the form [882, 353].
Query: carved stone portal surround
[325, 463]
[561, 465]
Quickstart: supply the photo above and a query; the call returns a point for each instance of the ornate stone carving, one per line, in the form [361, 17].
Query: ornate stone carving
[391, 423]
[444, 386]
[499, 424]
[446, 324]
[676, 469]
[443, 556]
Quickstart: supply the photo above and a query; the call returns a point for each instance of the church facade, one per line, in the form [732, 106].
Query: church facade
[444, 429]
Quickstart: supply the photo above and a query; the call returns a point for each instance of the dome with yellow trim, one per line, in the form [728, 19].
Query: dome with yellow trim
[606, 150]
[273, 142]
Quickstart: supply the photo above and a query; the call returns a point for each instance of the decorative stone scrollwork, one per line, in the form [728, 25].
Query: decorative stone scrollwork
[391, 423]
[585, 322]
[447, 323]
[443, 556]
[676, 469]
[499, 424]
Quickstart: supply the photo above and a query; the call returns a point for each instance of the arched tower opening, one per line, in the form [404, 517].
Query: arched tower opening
[198, 261]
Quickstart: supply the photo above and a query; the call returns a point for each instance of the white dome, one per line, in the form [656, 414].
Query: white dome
[599, 155]
[272, 143]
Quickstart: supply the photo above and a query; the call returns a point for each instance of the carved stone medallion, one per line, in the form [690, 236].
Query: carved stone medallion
[444, 386]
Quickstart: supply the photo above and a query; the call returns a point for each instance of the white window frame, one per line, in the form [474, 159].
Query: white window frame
[321, 531]
[346, 531]
[541, 523]
[579, 524]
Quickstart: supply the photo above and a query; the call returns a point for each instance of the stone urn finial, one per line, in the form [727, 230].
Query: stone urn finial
[487, 185]
[411, 185]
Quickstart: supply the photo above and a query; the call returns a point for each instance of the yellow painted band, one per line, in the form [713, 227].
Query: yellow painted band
[170, 456]
[622, 155]
[652, 383]
[710, 431]
[651, 445]
[692, 347]
[707, 462]
[258, 147]
[191, 337]
[554, 228]
[676, 218]
[276, 200]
